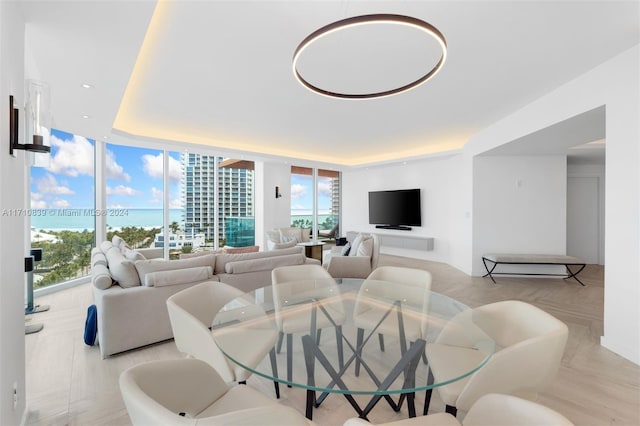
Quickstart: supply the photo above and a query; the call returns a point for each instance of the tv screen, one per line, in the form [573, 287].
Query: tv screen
[395, 209]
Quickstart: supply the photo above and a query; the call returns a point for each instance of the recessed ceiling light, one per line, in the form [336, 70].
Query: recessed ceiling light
[85, 116]
[87, 86]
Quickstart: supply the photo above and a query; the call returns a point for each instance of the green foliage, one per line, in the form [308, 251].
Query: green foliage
[70, 257]
[186, 249]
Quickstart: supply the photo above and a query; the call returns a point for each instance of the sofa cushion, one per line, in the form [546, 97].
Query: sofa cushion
[105, 246]
[100, 276]
[178, 276]
[263, 264]
[248, 249]
[147, 266]
[199, 254]
[117, 241]
[122, 270]
[306, 235]
[223, 259]
[98, 257]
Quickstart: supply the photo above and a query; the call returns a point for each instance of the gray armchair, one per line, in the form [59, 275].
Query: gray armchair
[359, 263]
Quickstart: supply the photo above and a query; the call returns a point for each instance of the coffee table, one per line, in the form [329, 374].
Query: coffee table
[319, 366]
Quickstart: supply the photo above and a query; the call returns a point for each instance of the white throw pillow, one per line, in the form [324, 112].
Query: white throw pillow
[355, 244]
[284, 245]
[365, 248]
[290, 234]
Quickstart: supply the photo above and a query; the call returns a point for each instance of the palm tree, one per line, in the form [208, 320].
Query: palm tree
[174, 227]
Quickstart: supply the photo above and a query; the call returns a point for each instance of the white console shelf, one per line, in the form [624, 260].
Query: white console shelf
[409, 242]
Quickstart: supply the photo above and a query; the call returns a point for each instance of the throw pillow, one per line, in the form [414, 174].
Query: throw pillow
[355, 244]
[119, 242]
[132, 254]
[365, 248]
[345, 249]
[290, 234]
[284, 245]
[273, 238]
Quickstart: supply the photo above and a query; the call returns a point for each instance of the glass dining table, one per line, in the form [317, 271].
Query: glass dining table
[350, 337]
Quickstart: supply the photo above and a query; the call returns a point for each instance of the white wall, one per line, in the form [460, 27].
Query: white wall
[519, 206]
[615, 85]
[274, 212]
[437, 178]
[12, 196]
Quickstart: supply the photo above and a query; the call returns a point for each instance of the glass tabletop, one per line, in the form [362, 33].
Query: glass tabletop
[346, 356]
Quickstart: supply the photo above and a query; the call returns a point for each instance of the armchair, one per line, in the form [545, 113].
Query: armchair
[189, 392]
[359, 263]
[529, 344]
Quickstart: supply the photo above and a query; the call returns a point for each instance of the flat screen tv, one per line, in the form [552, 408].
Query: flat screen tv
[399, 209]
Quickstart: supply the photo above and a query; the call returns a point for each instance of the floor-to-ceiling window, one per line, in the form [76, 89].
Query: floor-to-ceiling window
[206, 201]
[62, 211]
[319, 186]
[134, 194]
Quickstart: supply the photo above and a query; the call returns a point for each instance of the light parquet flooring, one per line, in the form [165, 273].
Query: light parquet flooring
[69, 384]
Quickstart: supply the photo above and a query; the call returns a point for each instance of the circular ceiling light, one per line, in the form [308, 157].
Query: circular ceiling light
[380, 18]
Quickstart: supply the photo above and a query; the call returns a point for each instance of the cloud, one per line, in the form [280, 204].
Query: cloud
[153, 165]
[122, 190]
[156, 195]
[59, 203]
[37, 203]
[175, 203]
[48, 185]
[298, 191]
[73, 157]
[115, 170]
[324, 188]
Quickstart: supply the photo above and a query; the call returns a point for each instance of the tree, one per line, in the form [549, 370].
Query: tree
[174, 227]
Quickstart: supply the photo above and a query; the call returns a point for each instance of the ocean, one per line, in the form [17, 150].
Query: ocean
[80, 219]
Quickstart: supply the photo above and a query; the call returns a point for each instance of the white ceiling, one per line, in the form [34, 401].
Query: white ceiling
[219, 73]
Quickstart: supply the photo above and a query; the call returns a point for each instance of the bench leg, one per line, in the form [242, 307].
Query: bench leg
[573, 274]
[484, 260]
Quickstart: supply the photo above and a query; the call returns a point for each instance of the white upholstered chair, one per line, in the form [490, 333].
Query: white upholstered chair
[529, 344]
[191, 312]
[384, 286]
[300, 283]
[488, 410]
[190, 392]
[361, 260]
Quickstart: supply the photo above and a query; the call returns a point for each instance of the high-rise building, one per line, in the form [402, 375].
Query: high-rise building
[234, 200]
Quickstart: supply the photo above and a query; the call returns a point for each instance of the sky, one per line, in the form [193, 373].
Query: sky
[134, 178]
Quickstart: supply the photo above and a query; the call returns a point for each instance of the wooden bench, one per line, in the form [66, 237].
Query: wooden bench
[533, 259]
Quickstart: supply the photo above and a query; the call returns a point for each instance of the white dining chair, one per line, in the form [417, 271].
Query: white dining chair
[190, 392]
[191, 312]
[529, 344]
[488, 410]
[386, 285]
[302, 283]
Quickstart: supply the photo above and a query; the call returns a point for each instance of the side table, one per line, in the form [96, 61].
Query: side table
[313, 249]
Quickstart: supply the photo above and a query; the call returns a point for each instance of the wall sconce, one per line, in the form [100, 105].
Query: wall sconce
[36, 120]
[278, 193]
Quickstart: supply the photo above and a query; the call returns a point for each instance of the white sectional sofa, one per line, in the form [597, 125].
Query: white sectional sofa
[131, 287]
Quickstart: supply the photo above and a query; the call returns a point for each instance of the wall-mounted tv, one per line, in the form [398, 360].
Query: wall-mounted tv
[399, 209]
